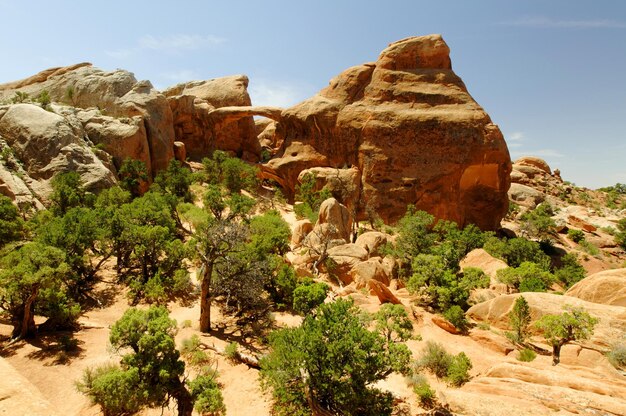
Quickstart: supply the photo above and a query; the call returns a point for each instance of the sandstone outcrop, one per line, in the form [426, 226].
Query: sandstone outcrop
[46, 143]
[372, 241]
[610, 328]
[344, 184]
[215, 114]
[607, 287]
[409, 126]
[116, 94]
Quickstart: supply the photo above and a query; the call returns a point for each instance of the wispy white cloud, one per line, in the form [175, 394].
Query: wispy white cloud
[271, 93]
[516, 136]
[171, 43]
[182, 75]
[120, 53]
[179, 42]
[545, 153]
[547, 22]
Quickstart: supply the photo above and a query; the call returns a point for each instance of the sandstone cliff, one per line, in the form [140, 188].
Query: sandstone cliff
[410, 127]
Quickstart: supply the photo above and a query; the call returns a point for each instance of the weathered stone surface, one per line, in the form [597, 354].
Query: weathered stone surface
[580, 223]
[120, 137]
[202, 128]
[300, 230]
[384, 294]
[610, 328]
[371, 241]
[525, 195]
[607, 287]
[534, 162]
[371, 269]
[180, 152]
[409, 125]
[344, 184]
[12, 186]
[344, 258]
[444, 324]
[46, 144]
[337, 216]
[116, 93]
[492, 341]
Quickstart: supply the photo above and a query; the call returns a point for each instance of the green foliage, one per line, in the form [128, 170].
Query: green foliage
[617, 356]
[132, 174]
[453, 368]
[570, 272]
[113, 388]
[34, 279]
[44, 99]
[528, 277]
[175, 180]
[453, 244]
[270, 233]
[150, 371]
[335, 359]
[435, 358]
[282, 283]
[589, 248]
[425, 393]
[310, 197]
[232, 351]
[11, 225]
[538, 222]
[20, 97]
[439, 286]
[68, 192]
[458, 370]
[526, 355]
[620, 236]
[455, 315]
[415, 234]
[237, 175]
[207, 395]
[308, 295]
[572, 325]
[519, 320]
[393, 323]
[575, 235]
[516, 251]
[473, 278]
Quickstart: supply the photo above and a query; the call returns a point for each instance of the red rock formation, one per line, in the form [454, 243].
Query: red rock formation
[409, 125]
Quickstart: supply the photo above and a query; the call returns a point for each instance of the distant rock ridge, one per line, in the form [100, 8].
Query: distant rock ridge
[403, 129]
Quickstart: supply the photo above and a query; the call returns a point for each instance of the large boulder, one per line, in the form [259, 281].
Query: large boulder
[372, 241]
[525, 195]
[201, 130]
[46, 143]
[607, 287]
[343, 259]
[115, 93]
[344, 184]
[336, 216]
[409, 126]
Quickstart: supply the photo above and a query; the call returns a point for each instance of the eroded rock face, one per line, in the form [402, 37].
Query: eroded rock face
[115, 94]
[607, 287]
[409, 126]
[203, 132]
[46, 143]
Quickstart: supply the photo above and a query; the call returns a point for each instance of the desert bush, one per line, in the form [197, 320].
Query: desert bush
[425, 394]
[575, 235]
[528, 277]
[526, 355]
[617, 355]
[571, 271]
[453, 368]
[308, 295]
[515, 251]
[456, 316]
[231, 351]
[458, 370]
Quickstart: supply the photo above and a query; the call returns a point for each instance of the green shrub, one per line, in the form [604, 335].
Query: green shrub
[516, 251]
[528, 277]
[207, 397]
[526, 355]
[309, 295]
[456, 316]
[435, 358]
[617, 356]
[425, 394]
[589, 248]
[571, 271]
[232, 351]
[458, 370]
[575, 235]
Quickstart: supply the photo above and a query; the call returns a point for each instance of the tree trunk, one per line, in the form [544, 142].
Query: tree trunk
[205, 299]
[556, 354]
[26, 325]
[184, 401]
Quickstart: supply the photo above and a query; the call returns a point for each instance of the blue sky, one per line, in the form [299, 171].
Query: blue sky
[551, 74]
